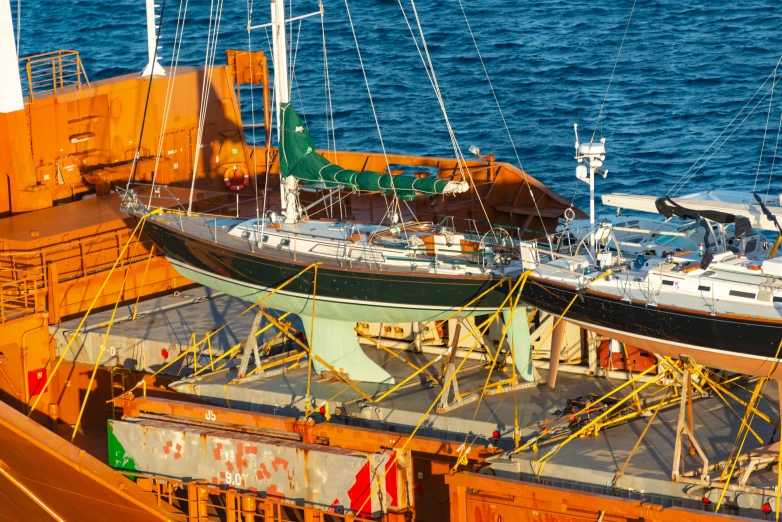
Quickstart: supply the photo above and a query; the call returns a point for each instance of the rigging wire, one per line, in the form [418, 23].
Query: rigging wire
[136, 156]
[675, 185]
[259, 239]
[178, 37]
[774, 157]
[765, 129]
[395, 200]
[723, 141]
[289, 43]
[250, 5]
[432, 81]
[295, 79]
[605, 96]
[211, 50]
[460, 161]
[502, 116]
[331, 140]
[613, 71]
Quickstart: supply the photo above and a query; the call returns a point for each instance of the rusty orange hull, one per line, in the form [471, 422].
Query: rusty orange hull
[43, 477]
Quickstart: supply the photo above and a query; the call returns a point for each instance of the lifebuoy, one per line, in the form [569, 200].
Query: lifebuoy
[236, 178]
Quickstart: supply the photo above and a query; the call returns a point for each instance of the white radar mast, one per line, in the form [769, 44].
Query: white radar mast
[590, 156]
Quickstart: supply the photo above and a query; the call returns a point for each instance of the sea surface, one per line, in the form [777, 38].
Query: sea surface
[685, 71]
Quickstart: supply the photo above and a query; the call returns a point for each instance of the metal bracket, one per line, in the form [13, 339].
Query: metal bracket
[495, 388]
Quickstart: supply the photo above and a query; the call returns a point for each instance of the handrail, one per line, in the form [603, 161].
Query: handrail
[51, 72]
[646, 231]
[21, 297]
[70, 260]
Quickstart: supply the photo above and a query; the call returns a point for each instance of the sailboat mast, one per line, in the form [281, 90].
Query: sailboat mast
[280, 59]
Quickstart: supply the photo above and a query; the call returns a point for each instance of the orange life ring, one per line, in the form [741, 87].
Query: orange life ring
[236, 178]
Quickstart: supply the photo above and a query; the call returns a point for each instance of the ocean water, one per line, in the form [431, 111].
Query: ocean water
[686, 69]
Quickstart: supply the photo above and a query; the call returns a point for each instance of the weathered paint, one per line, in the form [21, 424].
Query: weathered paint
[118, 457]
[478, 497]
[303, 474]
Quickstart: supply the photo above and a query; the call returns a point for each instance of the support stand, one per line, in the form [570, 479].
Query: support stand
[274, 366]
[557, 338]
[494, 388]
[450, 367]
[683, 429]
[251, 346]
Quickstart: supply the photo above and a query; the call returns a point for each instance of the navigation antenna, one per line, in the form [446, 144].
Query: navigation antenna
[591, 155]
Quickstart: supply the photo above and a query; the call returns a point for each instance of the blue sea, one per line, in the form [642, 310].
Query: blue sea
[685, 71]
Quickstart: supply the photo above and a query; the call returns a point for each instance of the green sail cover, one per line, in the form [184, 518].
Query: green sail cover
[298, 158]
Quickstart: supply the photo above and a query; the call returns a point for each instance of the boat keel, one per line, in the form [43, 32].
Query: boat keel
[334, 341]
[519, 340]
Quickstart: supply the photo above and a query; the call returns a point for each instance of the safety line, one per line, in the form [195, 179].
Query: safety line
[92, 305]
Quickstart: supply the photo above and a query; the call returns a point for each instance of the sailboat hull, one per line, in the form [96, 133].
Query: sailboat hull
[329, 308]
[344, 293]
[732, 343]
[330, 298]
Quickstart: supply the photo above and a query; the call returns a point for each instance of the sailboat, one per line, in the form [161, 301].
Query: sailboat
[392, 271]
[709, 290]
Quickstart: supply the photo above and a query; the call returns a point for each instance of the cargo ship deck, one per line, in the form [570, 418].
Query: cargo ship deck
[590, 464]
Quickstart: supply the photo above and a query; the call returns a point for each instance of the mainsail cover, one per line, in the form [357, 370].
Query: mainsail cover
[298, 158]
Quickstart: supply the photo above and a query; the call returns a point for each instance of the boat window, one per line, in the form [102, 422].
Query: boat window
[668, 282]
[676, 242]
[702, 288]
[777, 299]
[751, 245]
[265, 238]
[708, 273]
[361, 254]
[328, 250]
[737, 293]
[285, 242]
[672, 241]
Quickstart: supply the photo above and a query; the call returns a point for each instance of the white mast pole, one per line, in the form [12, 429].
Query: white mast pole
[280, 58]
[593, 155]
[281, 90]
[153, 68]
[592, 242]
[11, 91]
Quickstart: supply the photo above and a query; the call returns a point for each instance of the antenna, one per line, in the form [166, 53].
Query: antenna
[11, 91]
[153, 67]
[593, 154]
